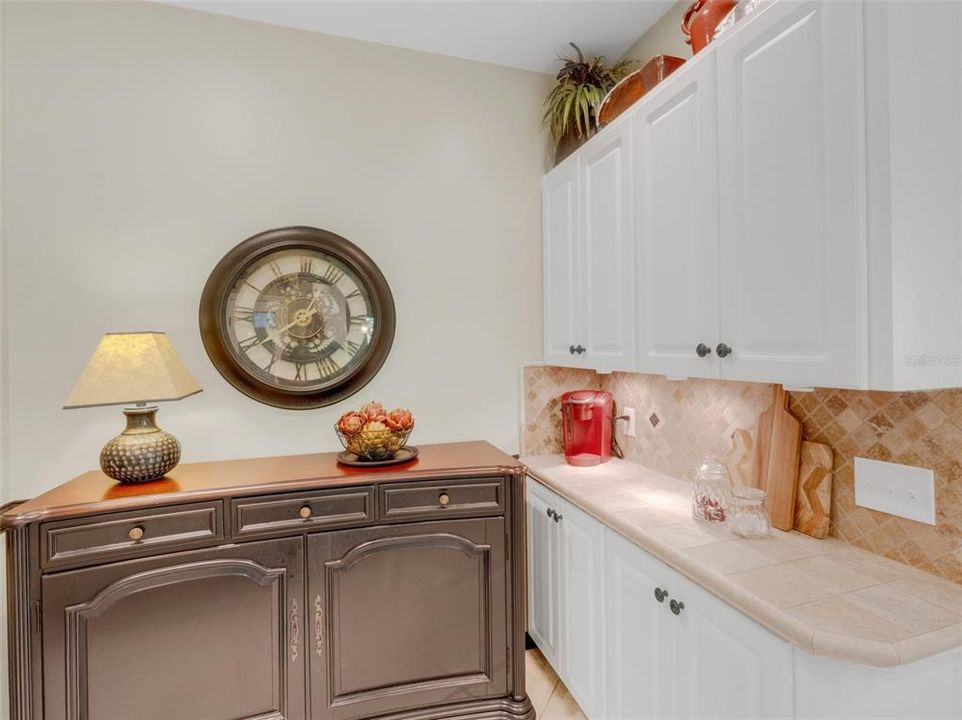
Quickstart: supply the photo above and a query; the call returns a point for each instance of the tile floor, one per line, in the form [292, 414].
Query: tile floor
[550, 697]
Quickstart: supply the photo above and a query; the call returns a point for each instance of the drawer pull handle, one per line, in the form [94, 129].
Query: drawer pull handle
[444, 499]
[136, 533]
[660, 594]
[305, 512]
[676, 607]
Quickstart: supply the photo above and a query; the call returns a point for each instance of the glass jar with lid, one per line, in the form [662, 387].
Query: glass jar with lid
[747, 517]
[710, 491]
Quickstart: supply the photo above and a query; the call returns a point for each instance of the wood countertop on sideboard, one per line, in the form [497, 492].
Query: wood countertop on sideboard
[94, 493]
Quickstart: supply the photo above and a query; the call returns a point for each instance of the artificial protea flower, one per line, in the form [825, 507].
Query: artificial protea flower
[351, 423]
[399, 419]
[373, 411]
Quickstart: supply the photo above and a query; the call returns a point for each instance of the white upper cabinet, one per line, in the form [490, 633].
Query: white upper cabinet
[792, 231]
[606, 192]
[791, 196]
[676, 225]
[563, 328]
[914, 91]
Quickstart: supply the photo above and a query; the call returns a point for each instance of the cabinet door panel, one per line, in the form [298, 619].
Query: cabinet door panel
[608, 256]
[728, 666]
[543, 587]
[640, 649]
[792, 233]
[406, 616]
[676, 223]
[583, 624]
[211, 635]
[562, 260]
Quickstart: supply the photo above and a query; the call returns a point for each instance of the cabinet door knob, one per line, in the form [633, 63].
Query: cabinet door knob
[136, 533]
[660, 594]
[551, 513]
[702, 350]
[571, 350]
[676, 607]
[444, 499]
[557, 516]
[580, 350]
[723, 350]
[305, 512]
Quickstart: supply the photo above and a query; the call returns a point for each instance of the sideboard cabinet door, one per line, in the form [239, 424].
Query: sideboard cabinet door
[406, 617]
[207, 635]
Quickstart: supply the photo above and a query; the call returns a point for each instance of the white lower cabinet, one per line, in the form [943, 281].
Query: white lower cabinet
[639, 638]
[566, 553]
[687, 654]
[631, 638]
[544, 596]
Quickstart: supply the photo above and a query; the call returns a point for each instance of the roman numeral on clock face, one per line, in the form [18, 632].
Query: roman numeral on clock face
[327, 366]
[247, 343]
[243, 313]
[358, 319]
[276, 269]
[352, 347]
[333, 275]
[306, 265]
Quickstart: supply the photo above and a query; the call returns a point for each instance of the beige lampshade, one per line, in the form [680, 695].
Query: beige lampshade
[132, 368]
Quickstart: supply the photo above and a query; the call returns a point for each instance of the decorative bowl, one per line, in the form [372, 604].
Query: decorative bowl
[373, 445]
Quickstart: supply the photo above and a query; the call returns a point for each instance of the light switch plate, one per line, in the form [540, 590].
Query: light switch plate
[895, 489]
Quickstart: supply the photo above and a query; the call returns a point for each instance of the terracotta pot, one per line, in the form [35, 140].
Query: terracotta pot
[701, 19]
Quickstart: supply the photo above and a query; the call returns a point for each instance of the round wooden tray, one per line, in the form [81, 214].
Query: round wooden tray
[405, 454]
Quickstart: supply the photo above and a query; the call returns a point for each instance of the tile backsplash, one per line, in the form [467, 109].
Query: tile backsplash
[679, 421]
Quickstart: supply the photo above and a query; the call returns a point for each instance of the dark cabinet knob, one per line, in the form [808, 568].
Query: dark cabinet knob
[550, 512]
[723, 350]
[572, 350]
[557, 516]
[579, 349]
[660, 594]
[676, 607]
[702, 350]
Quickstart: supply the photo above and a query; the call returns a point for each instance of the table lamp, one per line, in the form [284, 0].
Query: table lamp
[135, 369]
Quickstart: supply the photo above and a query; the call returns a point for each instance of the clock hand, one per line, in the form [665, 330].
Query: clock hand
[299, 317]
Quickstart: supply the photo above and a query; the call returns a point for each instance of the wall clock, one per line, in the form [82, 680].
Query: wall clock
[297, 317]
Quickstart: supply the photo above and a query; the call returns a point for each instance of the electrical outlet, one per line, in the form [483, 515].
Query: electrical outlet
[630, 422]
[895, 489]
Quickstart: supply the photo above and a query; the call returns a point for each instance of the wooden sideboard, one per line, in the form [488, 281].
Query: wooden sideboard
[277, 588]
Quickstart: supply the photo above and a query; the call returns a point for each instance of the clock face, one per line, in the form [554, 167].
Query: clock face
[297, 317]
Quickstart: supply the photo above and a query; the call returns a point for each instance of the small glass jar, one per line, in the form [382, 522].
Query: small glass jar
[747, 517]
[710, 491]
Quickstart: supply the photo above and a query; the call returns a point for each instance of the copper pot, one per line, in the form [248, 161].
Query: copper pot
[700, 20]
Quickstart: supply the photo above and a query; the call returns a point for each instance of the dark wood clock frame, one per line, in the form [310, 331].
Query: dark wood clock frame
[213, 301]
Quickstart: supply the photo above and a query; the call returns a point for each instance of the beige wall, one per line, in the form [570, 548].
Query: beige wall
[662, 38]
[144, 141]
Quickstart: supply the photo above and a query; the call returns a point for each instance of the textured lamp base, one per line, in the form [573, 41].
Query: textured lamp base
[143, 452]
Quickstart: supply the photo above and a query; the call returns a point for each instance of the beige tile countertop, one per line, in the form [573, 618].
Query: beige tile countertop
[824, 596]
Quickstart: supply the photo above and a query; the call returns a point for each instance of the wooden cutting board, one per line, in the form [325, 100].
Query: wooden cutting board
[739, 458]
[814, 495]
[778, 440]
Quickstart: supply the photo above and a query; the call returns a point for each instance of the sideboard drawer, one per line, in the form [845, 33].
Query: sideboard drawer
[273, 515]
[457, 498]
[131, 534]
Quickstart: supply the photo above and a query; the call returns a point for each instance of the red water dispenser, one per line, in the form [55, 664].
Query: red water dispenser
[586, 419]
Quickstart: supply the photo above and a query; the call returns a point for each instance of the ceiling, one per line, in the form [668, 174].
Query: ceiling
[526, 34]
